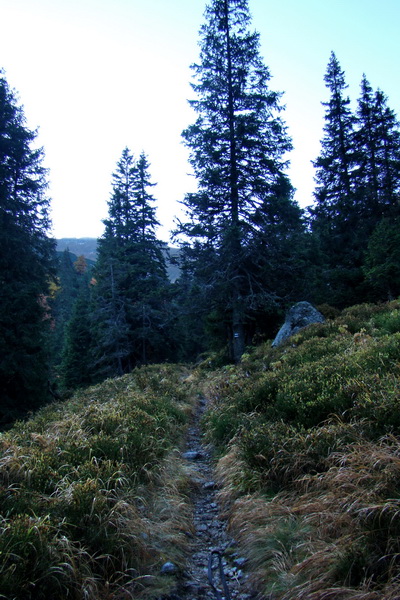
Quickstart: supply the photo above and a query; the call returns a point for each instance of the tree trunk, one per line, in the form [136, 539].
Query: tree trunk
[238, 341]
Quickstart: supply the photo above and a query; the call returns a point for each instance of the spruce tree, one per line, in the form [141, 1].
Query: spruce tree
[75, 369]
[334, 166]
[237, 151]
[367, 141]
[131, 275]
[336, 212]
[382, 260]
[26, 263]
[68, 285]
[378, 146]
[357, 176]
[378, 188]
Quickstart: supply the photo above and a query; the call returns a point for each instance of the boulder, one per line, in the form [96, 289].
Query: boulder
[298, 316]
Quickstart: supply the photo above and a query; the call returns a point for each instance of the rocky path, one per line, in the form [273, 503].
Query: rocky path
[211, 538]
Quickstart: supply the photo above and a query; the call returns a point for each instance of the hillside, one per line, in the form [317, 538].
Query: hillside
[79, 246]
[88, 248]
[97, 495]
[308, 439]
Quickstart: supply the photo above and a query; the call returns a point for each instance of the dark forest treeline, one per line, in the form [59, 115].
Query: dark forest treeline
[247, 250]
[26, 263]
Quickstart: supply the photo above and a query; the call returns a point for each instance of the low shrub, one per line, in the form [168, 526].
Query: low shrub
[388, 321]
[313, 377]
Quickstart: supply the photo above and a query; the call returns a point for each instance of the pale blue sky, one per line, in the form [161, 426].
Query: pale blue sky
[98, 75]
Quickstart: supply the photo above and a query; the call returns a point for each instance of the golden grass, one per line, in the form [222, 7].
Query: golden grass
[335, 537]
[314, 498]
[93, 494]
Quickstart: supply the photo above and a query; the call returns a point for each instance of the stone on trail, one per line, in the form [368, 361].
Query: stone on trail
[193, 455]
[169, 568]
[210, 485]
[239, 562]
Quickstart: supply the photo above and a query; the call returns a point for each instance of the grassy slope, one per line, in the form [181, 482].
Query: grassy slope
[308, 436]
[94, 497]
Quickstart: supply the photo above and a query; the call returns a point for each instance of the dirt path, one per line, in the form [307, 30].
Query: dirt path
[211, 537]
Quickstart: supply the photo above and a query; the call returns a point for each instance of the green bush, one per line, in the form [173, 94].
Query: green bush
[377, 400]
[285, 414]
[388, 322]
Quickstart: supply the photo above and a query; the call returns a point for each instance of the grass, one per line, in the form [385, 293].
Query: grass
[308, 437]
[334, 531]
[93, 497]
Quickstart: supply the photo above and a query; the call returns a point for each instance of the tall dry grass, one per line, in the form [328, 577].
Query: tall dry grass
[93, 495]
[308, 436]
[335, 535]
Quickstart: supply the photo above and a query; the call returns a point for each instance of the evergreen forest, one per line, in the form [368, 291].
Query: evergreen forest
[102, 361]
[247, 250]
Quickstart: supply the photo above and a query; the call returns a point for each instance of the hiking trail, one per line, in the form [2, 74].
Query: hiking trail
[211, 538]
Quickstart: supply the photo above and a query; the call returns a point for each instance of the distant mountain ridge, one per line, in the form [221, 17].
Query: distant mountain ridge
[87, 247]
[79, 246]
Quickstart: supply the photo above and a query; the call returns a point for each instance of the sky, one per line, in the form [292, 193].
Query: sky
[95, 76]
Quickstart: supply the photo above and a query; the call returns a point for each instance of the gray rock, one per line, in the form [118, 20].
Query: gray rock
[297, 317]
[169, 568]
[192, 455]
[240, 562]
[210, 485]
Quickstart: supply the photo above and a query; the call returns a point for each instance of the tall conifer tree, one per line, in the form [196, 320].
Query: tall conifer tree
[237, 147]
[76, 356]
[378, 187]
[130, 273]
[335, 164]
[378, 147]
[357, 176]
[26, 262]
[336, 213]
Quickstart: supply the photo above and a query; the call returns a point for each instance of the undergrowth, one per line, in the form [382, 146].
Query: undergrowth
[93, 498]
[307, 436]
